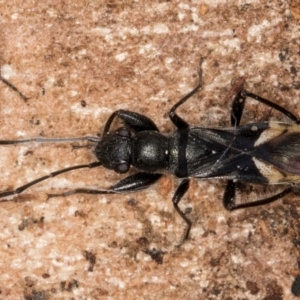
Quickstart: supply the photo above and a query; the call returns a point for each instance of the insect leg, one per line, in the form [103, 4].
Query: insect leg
[238, 103]
[229, 198]
[237, 109]
[135, 182]
[53, 174]
[183, 128]
[178, 121]
[273, 105]
[180, 191]
[133, 120]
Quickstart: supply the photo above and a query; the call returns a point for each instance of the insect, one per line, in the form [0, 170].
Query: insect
[265, 154]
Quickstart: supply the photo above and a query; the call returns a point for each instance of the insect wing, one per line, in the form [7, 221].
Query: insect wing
[228, 153]
[283, 150]
[204, 149]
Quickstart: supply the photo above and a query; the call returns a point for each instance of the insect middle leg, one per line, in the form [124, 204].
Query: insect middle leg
[183, 128]
[181, 170]
[178, 121]
[51, 175]
[180, 191]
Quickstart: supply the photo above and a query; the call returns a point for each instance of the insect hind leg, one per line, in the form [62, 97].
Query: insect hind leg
[229, 199]
[272, 105]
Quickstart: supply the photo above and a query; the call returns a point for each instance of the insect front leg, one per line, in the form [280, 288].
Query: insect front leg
[51, 175]
[132, 183]
[134, 121]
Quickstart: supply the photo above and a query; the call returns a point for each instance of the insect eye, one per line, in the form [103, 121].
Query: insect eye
[123, 132]
[122, 168]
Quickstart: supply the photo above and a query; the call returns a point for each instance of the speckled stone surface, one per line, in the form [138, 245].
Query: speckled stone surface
[78, 61]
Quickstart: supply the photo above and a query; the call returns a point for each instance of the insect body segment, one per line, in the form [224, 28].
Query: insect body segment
[264, 154]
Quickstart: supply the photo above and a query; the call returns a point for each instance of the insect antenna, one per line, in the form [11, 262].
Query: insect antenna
[93, 139]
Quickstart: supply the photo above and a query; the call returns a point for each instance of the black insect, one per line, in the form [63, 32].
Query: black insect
[265, 154]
